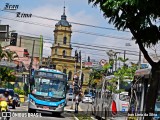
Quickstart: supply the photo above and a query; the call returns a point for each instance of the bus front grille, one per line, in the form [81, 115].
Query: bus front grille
[43, 106]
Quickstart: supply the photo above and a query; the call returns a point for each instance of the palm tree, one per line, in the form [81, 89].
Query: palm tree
[11, 55]
[123, 60]
[2, 53]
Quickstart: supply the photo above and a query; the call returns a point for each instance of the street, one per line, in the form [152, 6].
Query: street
[44, 116]
[67, 115]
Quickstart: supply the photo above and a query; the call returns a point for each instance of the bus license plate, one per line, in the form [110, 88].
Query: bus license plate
[45, 107]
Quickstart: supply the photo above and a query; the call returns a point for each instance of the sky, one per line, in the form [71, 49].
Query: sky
[78, 11]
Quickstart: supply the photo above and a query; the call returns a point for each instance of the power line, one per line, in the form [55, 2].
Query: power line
[80, 44]
[49, 39]
[100, 49]
[84, 32]
[82, 24]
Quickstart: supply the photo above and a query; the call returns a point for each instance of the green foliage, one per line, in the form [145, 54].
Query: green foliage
[84, 117]
[6, 74]
[136, 15]
[121, 74]
[11, 55]
[20, 92]
[98, 74]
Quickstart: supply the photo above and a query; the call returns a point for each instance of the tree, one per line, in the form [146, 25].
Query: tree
[97, 74]
[6, 75]
[139, 16]
[121, 75]
[11, 55]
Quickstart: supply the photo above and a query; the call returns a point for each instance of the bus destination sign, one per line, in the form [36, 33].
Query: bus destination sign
[49, 74]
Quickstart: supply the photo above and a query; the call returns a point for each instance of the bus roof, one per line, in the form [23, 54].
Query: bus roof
[50, 70]
[143, 72]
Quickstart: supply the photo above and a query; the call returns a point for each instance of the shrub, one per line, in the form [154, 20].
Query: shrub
[19, 91]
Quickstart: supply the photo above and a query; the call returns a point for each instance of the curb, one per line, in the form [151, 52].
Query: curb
[75, 117]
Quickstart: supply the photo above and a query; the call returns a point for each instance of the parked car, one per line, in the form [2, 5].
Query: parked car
[17, 99]
[87, 99]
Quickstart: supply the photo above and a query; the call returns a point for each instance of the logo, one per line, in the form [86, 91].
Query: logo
[11, 7]
[23, 15]
[6, 114]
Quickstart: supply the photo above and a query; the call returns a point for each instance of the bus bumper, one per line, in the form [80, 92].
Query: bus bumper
[45, 108]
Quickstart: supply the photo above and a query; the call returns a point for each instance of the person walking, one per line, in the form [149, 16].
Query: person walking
[76, 103]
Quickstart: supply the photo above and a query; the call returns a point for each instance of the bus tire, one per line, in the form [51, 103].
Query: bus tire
[56, 114]
[31, 110]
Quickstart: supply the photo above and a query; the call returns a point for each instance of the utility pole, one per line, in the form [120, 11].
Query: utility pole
[31, 63]
[41, 50]
[80, 57]
[75, 67]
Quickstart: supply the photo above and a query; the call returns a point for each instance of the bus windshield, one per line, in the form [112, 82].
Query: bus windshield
[51, 88]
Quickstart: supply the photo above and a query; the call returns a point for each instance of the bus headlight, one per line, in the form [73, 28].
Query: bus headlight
[32, 101]
[60, 105]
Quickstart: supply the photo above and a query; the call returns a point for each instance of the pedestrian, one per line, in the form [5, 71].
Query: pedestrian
[76, 103]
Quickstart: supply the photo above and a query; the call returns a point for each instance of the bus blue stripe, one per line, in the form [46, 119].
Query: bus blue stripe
[46, 102]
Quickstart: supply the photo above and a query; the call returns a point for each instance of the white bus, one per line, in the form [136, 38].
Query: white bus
[109, 104]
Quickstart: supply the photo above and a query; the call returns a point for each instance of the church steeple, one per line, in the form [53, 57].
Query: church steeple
[63, 17]
[63, 21]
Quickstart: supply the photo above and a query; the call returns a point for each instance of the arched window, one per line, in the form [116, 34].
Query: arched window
[64, 53]
[69, 75]
[56, 51]
[65, 40]
[64, 71]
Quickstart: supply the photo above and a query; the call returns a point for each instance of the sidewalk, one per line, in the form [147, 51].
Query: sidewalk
[68, 108]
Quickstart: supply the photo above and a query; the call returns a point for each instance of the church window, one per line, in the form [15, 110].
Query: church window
[64, 53]
[65, 40]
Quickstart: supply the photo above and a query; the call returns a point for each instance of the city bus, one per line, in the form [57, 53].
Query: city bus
[48, 89]
[109, 104]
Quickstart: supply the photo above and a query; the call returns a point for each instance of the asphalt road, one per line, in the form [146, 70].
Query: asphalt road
[84, 108]
[41, 116]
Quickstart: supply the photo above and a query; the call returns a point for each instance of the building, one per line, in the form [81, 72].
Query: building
[23, 58]
[27, 42]
[61, 51]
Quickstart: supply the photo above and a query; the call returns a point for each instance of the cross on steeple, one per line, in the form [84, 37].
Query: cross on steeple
[64, 9]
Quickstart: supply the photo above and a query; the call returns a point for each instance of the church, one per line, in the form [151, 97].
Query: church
[61, 51]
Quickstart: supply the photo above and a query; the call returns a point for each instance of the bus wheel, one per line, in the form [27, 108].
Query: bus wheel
[31, 110]
[56, 114]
